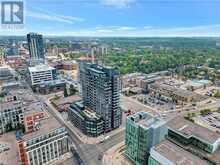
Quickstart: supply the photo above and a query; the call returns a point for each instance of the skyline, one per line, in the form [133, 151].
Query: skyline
[121, 18]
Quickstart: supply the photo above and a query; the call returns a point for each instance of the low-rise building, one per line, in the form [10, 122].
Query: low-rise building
[191, 134]
[63, 103]
[5, 73]
[51, 86]
[33, 114]
[88, 121]
[47, 143]
[197, 84]
[171, 93]
[167, 153]
[143, 132]
[69, 65]
[141, 80]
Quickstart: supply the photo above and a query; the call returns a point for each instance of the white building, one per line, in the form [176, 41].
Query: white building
[47, 144]
[41, 73]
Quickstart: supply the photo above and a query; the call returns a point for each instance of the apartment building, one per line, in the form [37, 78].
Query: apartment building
[100, 89]
[11, 116]
[36, 48]
[89, 122]
[46, 144]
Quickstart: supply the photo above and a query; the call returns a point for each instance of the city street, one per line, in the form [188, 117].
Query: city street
[88, 152]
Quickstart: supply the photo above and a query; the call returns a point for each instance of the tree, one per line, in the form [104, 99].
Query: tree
[217, 94]
[72, 90]
[65, 92]
[205, 112]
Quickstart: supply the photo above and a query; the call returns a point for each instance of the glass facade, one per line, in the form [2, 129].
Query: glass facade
[152, 161]
[191, 141]
[101, 93]
[142, 132]
[36, 46]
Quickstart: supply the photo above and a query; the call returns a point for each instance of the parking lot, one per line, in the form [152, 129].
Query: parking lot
[160, 105]
[208, 91]
[211, 120]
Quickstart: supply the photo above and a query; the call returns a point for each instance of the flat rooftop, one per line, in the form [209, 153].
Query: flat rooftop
[23, 95]
[66, 100]
[12, 104]
[189, 129]
[180, 92]
[82, 110]
[177, 155]
[177, 91]
[91, 114]
[198, 82]
[11, 155]
[46, 125]
[52, 82]
[146, 120]
[99, 69]
[40, 68]
[33, 108]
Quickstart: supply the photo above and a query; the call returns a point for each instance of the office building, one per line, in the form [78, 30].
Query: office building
[36, 47]
[90, 123]
[44, 79]
[11, 115]
[143, 132]
[100, 89]
[41, 73]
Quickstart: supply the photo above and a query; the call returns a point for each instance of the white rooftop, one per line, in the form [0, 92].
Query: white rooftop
[39, 68]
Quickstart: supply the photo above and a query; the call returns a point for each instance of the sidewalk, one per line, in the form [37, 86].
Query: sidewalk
[92, 140]
[115, 156]
[62, 159]
[85, 139]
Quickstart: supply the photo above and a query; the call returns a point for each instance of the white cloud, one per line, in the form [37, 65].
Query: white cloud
[45, 15]
[104, 31]
[125, 28]
[118, 3]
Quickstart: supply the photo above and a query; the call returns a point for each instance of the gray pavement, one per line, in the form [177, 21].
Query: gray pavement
[88, 152]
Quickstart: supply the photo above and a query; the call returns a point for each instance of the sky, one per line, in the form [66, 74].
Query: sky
[132, 18]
